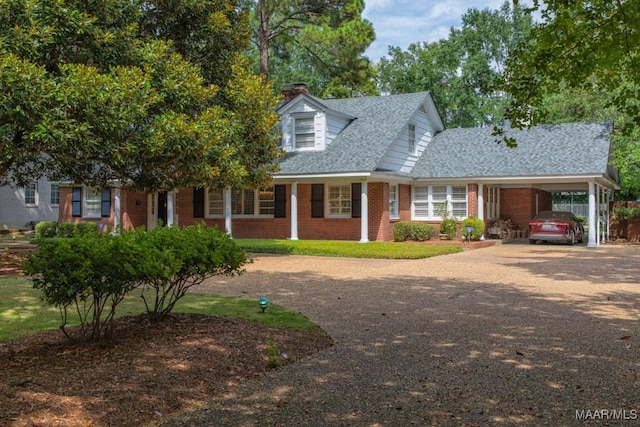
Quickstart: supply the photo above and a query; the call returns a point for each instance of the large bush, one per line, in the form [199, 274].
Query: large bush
[403, 231]
[86, 274]
[477, 228]
[181, 258]
[46, 229]
[91, 273]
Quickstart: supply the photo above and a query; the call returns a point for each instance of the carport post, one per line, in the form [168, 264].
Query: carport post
[593, 230]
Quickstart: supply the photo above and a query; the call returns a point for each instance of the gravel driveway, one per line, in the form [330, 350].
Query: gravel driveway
[507, 335]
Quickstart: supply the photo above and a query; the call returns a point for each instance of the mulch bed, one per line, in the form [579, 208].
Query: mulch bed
[146, 372]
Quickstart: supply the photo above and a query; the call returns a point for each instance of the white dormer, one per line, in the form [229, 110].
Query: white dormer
[307, 124]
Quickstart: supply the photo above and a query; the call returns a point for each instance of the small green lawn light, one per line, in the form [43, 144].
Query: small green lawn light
[263, 303]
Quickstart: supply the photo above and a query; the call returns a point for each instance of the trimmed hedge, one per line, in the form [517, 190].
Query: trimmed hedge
[477, 230]
[419, 231]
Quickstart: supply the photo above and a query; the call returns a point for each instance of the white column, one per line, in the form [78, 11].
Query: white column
[294, 211]
[593, 232]
[364, 214]
[170, 208]
[481, 205]
[227, 211]
[117, 210]
[608, 215]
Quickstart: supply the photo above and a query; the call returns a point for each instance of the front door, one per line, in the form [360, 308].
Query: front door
[162, 208]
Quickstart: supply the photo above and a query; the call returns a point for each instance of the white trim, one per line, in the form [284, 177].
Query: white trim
[294, 211]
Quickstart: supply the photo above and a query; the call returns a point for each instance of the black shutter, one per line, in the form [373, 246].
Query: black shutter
[105, 205]
[198, 202]
[356, 200]
[280, 201]
[76, 201]
[317, 200]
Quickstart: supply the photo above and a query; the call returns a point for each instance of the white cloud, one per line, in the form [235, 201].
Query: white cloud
[400, 23]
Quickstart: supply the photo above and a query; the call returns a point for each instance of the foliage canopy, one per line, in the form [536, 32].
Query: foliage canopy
[151, 93]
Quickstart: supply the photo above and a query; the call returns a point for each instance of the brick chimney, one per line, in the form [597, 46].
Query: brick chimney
[292, 90]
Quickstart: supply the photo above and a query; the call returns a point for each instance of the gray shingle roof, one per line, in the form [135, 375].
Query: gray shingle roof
[546, 150]
[362, 144]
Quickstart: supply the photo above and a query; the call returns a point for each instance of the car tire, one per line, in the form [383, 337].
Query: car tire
[581, 239]
[572, 239]
[532, 241]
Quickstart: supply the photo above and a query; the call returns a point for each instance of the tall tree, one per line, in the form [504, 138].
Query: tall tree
[587, 56]
[89, 94]
[322, 41]
[461, 71]
[575, 43]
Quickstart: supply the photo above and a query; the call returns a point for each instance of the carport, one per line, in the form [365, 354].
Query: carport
[523, 197]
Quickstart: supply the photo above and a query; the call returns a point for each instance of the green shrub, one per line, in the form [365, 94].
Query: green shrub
[46, 229]
[477, 228]
[403, 231]
[66, 229]
[91, 273]
[88, 274]
[86, 228]
[177, 259]
[421, 231]
[449, 227]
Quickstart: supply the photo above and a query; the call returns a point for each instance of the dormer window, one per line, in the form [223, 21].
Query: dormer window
[304, 132]
[411, 133]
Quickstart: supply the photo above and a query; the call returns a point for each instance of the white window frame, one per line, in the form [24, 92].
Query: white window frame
[312, 133]
[427, 198]
[263, 207]
[342, 202]
[393, 201]
[54, 195]
[492, 203]
[411, 138]
[91, 203]
[33, 198]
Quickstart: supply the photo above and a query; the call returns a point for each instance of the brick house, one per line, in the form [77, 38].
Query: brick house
[356, 166]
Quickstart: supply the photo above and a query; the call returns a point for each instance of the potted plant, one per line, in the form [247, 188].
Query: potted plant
[448, 226]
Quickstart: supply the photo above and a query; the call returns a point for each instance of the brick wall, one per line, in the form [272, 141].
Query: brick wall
[133, 205]
[519, 204]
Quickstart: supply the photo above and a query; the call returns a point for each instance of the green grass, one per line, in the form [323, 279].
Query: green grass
[335, 248]
[22, 312]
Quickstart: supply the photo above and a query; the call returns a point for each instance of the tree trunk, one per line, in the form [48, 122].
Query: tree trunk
[264, 37]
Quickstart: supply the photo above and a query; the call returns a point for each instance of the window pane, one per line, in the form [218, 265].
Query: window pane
[393, 201]
[55, 194]
[412, 138]
[30, 193]
[439, 194]
[92, 203]
[266, 202]
[305, 132]
[340, 200]
[215, 205]
[421, 209]
[421, 193]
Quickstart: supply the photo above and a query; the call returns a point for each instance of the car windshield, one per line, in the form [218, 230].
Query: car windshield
[554, 215]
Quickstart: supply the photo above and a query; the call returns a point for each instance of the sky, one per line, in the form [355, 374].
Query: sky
[402, 22]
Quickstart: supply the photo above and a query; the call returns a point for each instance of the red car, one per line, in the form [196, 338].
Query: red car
[556, 226]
